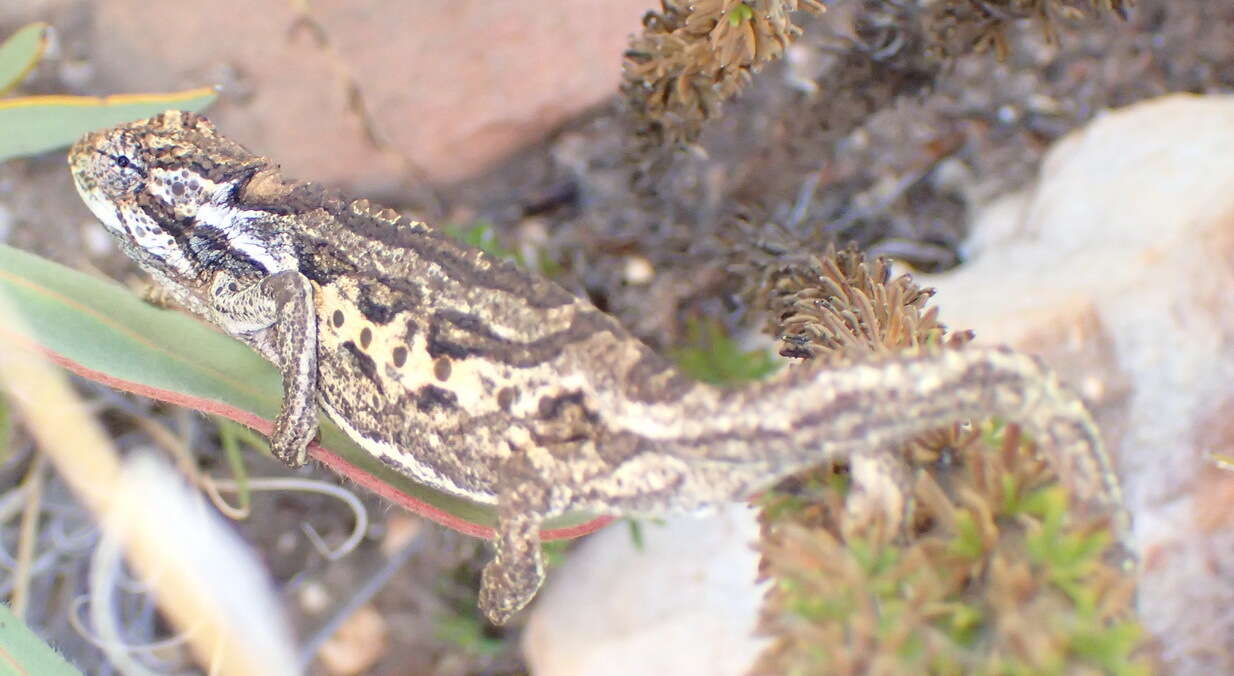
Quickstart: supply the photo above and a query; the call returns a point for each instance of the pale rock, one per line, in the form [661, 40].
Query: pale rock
[684, 603]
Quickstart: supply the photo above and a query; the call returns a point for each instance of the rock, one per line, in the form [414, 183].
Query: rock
[449, 88]
[1118, 268]
[684, 603]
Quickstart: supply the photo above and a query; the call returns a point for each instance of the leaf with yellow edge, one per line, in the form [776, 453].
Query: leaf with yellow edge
[35, 124]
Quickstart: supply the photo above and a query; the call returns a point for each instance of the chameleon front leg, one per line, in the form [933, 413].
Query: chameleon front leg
[278, 313]
[515, 573]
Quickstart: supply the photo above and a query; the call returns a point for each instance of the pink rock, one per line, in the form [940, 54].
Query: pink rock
[449, 88]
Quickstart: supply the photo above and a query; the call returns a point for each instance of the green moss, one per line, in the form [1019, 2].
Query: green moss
[711, 356]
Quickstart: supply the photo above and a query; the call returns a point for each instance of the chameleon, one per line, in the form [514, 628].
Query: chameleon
[479, 378]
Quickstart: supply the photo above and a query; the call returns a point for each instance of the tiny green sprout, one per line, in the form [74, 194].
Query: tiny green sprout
[1109, 646]
[1012, 503]
[967, 542]
[636, 533]
[962, 622]
[740, 12]
[482, 235]
[466, 631]
[554, 552]
[992, 432]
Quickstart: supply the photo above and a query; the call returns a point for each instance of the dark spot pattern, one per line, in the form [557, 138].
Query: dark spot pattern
[380, 300]
[366, 337]
[463, 265]
[431, 397]
[337, 318]
[400, 356]
[459, 335]
[373, 311]
[441, 369]
[552, 407]
[364, 363]
[505, 398]
[437, 346]
[321, 262]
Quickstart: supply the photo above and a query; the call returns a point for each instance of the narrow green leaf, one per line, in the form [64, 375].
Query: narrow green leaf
[22, 652]
[229, 438]
[20, 52]
[101, 331]
[36, 124]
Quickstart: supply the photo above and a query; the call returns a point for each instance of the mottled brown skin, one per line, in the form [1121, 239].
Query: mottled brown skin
[484, 380]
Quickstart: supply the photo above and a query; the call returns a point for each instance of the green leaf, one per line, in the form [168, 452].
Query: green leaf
[102, 332]
[23, 652]
[36, 124]
[20, 52]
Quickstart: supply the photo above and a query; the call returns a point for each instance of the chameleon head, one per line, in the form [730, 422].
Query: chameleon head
[152, 181]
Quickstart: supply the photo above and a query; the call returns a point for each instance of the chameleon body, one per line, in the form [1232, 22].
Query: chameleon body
[484, 380]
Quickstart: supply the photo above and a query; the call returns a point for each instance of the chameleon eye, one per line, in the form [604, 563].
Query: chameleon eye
[121, 161]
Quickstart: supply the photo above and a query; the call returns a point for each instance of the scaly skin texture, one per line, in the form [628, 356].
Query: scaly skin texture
[483, 380]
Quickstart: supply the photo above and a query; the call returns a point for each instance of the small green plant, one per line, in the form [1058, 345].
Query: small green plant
[467, 632]
[482, 235]
[711, 356]
[554, 552]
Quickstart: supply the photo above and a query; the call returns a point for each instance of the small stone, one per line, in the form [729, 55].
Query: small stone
[357, 645]
[638, 271]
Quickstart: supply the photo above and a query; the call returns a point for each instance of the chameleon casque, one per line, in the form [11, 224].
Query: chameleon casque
[484, 380]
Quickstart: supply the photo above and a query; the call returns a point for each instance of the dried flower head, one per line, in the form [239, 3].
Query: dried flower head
[839, 307]
[692, 56]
